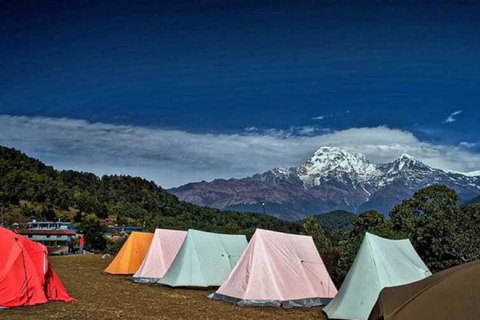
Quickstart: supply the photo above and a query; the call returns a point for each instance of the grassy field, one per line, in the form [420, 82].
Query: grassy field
[102, 296]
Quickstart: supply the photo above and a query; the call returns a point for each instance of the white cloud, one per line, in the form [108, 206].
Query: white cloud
[468, 144]
[451, 117]
[307, 130]
[172, 157]
[332, 115]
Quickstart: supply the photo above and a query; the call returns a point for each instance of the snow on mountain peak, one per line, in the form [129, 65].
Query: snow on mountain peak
[406, 162]
[332, 163]
[406, 156]
[332, 160]
[281, 171]
[407, 159]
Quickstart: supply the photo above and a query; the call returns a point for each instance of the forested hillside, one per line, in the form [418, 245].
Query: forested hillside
[30, 189]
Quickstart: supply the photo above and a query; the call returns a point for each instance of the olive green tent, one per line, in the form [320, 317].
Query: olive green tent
[450, 294]
[205, 259]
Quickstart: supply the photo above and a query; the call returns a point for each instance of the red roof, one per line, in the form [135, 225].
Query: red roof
[46, 232]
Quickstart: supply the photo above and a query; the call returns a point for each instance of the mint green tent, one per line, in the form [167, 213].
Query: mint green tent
[205, 259]
[379, 263]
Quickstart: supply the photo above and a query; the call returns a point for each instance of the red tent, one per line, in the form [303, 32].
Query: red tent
[26, 276]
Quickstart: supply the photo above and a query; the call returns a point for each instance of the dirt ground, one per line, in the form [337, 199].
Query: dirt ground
[102, 296]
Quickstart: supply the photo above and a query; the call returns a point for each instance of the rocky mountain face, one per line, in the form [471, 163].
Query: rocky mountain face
[332, 179]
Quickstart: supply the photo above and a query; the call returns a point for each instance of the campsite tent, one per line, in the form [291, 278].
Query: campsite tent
[163, 250]
[278, 269]
[130, 257]
[450, 294]
[26, 276]
[205, 259]
[379, 263]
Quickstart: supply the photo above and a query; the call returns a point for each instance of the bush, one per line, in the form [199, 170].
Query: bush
[114, 245]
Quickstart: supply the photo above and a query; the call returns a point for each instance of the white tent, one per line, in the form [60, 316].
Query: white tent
[160, 256]
[205, 259]
[278, 269]
[379, 263]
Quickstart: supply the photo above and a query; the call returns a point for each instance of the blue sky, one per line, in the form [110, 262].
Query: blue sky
[278, 78]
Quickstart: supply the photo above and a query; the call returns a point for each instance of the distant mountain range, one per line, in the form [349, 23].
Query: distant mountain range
[332, 179]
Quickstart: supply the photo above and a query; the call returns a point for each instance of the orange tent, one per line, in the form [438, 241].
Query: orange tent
[450, 294]
[26, 276]
[131, 256]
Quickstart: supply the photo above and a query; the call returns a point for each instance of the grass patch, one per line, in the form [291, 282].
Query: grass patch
[102, 296]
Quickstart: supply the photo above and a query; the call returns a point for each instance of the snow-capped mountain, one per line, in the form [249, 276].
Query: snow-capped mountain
[332, 179]
[330, 163]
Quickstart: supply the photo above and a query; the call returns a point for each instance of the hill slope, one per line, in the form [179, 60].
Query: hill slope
[52, 194]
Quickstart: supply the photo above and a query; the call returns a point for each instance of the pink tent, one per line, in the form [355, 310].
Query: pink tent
[163, 250]
[278, 269]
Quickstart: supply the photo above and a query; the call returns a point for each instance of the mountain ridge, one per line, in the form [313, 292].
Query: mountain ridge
[332, 179]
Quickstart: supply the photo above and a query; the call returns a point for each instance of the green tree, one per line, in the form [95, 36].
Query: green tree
[439, 229]
[330, 255]
[48, 213]
[373, 222]
[313, 229]
[425, 203]
[93, 232]
[3, 213]
[467, 244]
